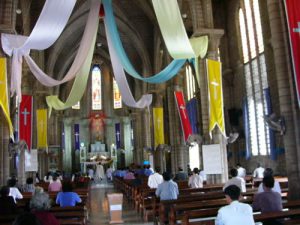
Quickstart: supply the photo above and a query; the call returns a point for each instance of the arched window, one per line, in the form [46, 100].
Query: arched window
[255, 76]
[190, 82]
[117, 95]
[96, 88]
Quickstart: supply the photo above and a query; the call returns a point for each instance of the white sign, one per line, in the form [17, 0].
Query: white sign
[212, 159]
[31, 160]
[115, 207]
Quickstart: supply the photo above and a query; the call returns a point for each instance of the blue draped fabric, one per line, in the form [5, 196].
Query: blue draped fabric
[269, 111]
[170, 71]
[191, 107]
[246, 127]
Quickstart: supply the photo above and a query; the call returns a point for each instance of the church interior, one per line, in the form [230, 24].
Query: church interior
[95, 91]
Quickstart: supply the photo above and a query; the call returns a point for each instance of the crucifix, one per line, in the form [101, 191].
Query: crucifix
[76, 137]
[215, 84]
[118, 136]
[182, 107]
[297, 30]
[25, 113]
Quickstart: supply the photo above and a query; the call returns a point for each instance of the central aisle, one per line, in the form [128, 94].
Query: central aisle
[99, 209]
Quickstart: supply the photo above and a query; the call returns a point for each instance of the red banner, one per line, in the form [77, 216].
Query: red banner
[25, 120]
[185, 122]
[293, 17]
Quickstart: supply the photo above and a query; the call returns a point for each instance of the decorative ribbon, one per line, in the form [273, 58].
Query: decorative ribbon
[111, 29]
[52, 21]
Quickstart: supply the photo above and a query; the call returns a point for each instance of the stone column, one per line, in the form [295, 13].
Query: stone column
[287, 103]
[127, 141]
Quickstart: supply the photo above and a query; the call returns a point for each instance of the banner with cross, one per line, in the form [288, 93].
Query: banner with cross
[293, 18]
[25, 120]
[118, 135]
[215, 95]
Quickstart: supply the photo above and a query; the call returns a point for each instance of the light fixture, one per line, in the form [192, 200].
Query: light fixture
[184, 15]
[99, 44]
[18, 11]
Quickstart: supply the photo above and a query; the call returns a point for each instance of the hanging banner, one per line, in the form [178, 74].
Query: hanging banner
[215, 96]
[292, 8]
[76, 137]
[4, 95]
[25, 120]
[118, 135]
[184, 119]
[158, 124]
[191, 107]
[42, 126]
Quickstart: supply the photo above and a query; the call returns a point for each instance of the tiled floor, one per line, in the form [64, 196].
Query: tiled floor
[99, 208]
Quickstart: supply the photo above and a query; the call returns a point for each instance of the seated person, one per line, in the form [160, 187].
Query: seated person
[241, 171]
[67, 197]
[29, 187]
[26, 219]
[235, 180]
[258, 172]
[167, 190]
[236, 213]
[269, 200]
[129, 175]
[13, 190]
[55, 186]
[136, 182]
[39, 206]
[195, 181]
[276, 188]
[181, 175]
[155, 179]
[7, 203]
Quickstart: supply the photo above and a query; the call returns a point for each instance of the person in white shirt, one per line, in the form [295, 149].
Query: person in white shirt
[155, 179]
[241, 171]
[235, 180]
[202, 174]
[258, 172]
[236, 213]
[195, 181]
[276, 188]
[13, 190]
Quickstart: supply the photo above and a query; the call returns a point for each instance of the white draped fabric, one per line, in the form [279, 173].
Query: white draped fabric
[52, 21]
[121, 80]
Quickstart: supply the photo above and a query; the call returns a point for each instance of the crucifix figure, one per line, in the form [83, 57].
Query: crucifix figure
[182, 107]
[25, 113]
[76, 137]
[215, 84]
[297, 30]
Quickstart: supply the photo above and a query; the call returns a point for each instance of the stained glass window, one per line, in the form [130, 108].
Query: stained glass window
[117, 95]
[96, 88]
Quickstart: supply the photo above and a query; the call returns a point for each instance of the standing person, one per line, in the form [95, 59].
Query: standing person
[155, 179]
[91, 173]
[235, 180]
[181, 175]
[13, 190]
[241, 171]
[168, 189]
[195, 181]
[236, 213]
[99, 171]
[109, 173]
[259, 171]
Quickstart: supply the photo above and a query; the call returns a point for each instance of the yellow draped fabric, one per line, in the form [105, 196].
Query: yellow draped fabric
[3, 95]
[158, 120]
[215, 96]
[41, 121]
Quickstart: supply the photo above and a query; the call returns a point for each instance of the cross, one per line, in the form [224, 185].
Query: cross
[182, 107]
[118, 135]
[76, 137]
[297, 30]
[25, 113]
[215, 84]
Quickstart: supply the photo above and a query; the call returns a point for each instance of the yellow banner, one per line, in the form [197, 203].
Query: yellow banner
[41, 121]
[4, 95]
[158, 120]
[215, 96]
